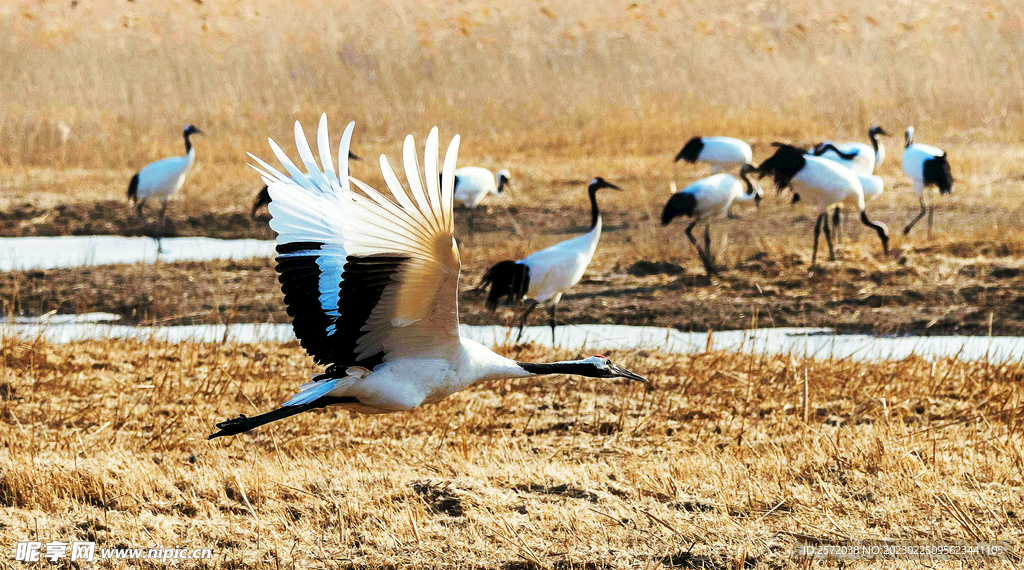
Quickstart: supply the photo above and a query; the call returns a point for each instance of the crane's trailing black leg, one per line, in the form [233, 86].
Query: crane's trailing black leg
[910, 226]
[703, 258]
[243, 424]
[523, 319]
[817, 232]
[828, 237]
[931, 214]
[554, 322]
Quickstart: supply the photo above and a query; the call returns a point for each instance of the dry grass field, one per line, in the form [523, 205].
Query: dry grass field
[723, 461]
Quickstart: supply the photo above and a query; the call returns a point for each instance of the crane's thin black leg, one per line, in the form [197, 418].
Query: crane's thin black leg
[931, 214]
[523, 319]
[707, 246]
[828, 237]
[703, 257]
[554, 321]
[817, 232]
[910, 226]
[163, 228]
[837, 224]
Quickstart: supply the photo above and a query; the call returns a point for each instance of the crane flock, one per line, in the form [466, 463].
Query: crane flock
[371, 281]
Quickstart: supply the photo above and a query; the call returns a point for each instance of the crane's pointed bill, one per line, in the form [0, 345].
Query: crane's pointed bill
[623, 373]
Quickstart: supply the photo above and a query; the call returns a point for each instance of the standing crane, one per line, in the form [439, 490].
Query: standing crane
[161, 179]
[544, 276]
[926, 166]
[709, 199]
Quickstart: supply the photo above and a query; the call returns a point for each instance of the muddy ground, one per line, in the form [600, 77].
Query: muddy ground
[640, 275]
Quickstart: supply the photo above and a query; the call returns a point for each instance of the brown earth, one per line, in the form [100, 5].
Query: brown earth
[641, 275]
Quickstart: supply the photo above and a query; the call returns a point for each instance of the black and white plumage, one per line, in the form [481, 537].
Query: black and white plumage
[371, 284]
[722, 153]
[163, 178]
[263, 196]
[709, 199]
[872, 185]
[857, 156]
[822, 182]
[544, 276]
[474, 183]
[926, 166]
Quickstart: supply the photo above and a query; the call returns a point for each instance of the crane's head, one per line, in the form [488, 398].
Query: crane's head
[504, 180]
[601, 367]
[599, 183]
[876, 130]
[908, 137]
[192, 130]
[752, 186]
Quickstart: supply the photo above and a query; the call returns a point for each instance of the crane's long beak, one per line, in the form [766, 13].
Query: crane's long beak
[354, 156]
[610, 185]
[623, 373]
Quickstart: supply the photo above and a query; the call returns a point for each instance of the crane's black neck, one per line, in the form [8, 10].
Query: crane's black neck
[188, 142]
[874, 139]
[573, 368]
[743, 176]
[595, 212]
[845, 156]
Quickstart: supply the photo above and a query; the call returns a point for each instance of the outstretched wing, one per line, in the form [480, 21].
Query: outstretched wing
[365, 278]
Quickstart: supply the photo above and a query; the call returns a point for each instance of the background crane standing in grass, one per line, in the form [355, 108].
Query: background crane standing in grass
[545, 275]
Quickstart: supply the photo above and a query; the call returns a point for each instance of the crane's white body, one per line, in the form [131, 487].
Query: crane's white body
[725, 153]
[163, 178]
[372, 285]
[914, 157]
[872, 186]
[716, 194]
[407, 383]
[824, 182]
[473, 184]
[556, 269]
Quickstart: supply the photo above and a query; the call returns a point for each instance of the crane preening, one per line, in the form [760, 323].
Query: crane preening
[372, 286]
